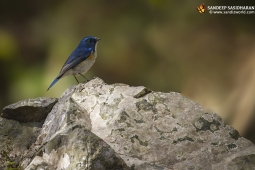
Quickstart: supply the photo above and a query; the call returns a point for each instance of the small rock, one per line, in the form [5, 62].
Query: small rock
[32, 110]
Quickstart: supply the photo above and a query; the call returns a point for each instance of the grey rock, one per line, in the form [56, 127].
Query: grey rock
[162, 130]
[99, 126]
[15, 139]
[32, 110]
[77, 148]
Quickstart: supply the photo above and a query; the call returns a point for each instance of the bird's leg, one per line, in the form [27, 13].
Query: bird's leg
[76, 79]
[83, 77]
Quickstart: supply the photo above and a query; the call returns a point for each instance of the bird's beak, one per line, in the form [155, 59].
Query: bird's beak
[98, 39]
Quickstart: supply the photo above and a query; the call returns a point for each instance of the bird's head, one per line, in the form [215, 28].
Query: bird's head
[89, 41]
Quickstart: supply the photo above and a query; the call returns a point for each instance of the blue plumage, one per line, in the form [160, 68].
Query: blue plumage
[80, 60]
[55, 81]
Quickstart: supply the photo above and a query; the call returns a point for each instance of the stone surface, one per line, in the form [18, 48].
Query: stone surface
[32, 110]
[15, 139]
[77, 148]
[100, 126]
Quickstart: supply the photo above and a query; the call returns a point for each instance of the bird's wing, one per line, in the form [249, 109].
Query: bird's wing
[74, 59]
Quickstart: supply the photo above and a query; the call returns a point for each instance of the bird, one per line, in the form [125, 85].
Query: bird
[80, 60]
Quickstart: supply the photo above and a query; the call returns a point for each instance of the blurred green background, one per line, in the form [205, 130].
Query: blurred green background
[161, 44]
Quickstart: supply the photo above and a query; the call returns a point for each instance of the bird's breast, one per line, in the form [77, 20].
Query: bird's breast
[91, 57]
[85, 65]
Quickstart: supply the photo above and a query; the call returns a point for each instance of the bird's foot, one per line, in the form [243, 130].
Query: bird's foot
[87, 80]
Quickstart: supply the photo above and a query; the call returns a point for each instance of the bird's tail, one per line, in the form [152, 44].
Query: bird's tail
[55, 81]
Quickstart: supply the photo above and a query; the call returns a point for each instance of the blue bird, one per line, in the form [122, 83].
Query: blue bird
[80, 60]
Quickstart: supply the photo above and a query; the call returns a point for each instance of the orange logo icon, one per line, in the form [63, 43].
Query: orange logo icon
[201, 8]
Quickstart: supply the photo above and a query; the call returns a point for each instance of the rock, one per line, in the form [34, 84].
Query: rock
[77, 148]
[32, 110]
[100, 126]
[15, 139]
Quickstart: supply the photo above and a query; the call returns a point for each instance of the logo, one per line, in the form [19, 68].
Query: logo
[201, 8]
